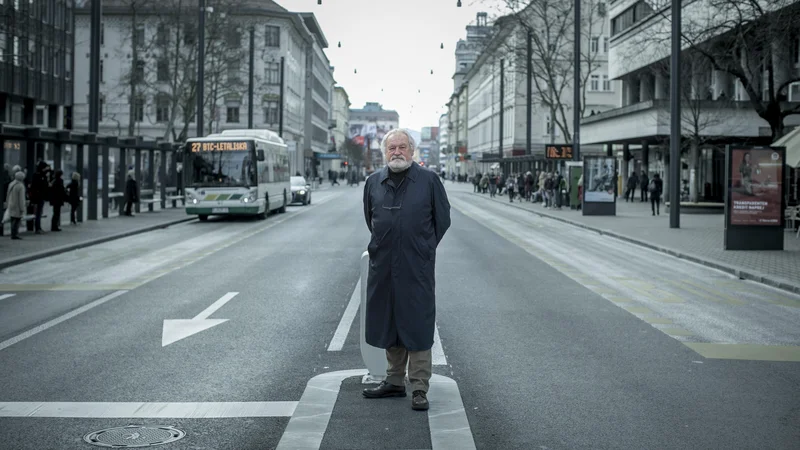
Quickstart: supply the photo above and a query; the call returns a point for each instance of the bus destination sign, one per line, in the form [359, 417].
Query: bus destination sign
[220, 146]
[558, 152]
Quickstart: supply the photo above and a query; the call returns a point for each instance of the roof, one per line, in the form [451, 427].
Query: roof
[119, 6]
[314, 28]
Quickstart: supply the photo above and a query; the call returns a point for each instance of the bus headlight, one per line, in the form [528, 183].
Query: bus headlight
[251, 197]
[302, 192]
[194, 201]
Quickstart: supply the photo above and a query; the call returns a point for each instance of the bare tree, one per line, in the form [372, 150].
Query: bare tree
[750, 40]
[550, 24]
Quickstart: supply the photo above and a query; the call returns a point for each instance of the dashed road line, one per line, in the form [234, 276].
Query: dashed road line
[337, 342]
[5, 296]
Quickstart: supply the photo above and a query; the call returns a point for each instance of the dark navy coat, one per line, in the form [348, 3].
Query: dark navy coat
[407, 223]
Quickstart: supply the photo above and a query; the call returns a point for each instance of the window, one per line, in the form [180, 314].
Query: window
[162, 108]
[272, 36]
[271, 113]
[606, 83]
[319, 135]
[40, 116]
[234, 39]
[796, 50]
[138, 72]
[605, 44]
[233, 71]
[594, 45]
[601, 9]
[32, 58]
[138, 109]
[794, 92]
[43, 62]
[15, 51]
[138, 35]
[233, 114]
[634, 14]
[102, 33]
[102, 69]
[102, 105]
[162, 70]
[162, 35]
[594, 83]
[2, 46]
[57, 63]
[68, 65]
[272, 73]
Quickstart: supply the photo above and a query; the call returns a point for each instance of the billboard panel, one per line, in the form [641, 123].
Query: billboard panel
[598, 179]
[756, 186]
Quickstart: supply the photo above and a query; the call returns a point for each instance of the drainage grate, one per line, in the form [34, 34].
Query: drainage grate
[133, 436]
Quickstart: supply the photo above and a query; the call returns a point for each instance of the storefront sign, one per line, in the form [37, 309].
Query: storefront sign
[756, 186]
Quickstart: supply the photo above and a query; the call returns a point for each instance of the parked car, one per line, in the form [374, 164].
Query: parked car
[301, 191]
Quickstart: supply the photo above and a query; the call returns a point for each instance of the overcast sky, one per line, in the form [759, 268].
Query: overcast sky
[394, 45]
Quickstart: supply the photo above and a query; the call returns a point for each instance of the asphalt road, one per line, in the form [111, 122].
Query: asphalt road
[558, 338]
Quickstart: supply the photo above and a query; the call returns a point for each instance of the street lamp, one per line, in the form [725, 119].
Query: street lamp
[457, 4]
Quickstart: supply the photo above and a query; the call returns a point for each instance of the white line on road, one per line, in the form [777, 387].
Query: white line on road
[5, 296]
[437, 352]
[347, 320]
[215, 306]
[33, 331]
[447, 418]
[120, 410]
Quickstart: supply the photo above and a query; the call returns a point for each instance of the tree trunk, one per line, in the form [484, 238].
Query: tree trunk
[694, 180]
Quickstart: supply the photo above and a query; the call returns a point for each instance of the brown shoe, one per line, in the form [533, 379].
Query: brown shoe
[419, 401]
[385, 390]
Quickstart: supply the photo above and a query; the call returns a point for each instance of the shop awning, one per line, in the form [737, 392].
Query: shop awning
[792, 143]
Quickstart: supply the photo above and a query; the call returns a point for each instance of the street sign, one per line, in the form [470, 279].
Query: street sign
[558, 152]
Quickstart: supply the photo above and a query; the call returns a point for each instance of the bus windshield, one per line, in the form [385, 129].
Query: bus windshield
[221, 164]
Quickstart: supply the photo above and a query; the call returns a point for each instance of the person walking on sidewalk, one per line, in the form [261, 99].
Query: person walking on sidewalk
[630, 193]
[15, 203]
[511, 186]
[131, 193]
[39, 192]
[492, 185]
[407, 213]
[656, 187]
[645, 184]
[74, 197]
[58, 196]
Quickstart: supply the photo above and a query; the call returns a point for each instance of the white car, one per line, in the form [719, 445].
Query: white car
[301, 191]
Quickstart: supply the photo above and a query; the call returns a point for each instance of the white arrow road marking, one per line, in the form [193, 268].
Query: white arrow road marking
[5, 296]
[8, 343]
[175, 330]
[437, 352]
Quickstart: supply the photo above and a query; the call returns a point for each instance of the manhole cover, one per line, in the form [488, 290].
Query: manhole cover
[133, 436]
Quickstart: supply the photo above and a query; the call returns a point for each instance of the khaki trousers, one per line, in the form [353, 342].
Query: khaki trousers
[419, 368]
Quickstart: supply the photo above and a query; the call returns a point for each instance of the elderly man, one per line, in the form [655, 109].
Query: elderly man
[407, 212]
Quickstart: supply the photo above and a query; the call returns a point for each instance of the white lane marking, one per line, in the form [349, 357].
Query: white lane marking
[33, 331]
[337, 342]
[120, 410]
[447, 418]
[437, 352]
[215, 306]
[5, 296]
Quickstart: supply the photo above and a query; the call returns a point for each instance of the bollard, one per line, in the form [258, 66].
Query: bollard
[374, 358]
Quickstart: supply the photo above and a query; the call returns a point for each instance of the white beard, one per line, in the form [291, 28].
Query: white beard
[399, 165]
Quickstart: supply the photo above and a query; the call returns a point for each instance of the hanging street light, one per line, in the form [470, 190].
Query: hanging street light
[442, 46]
[319, 2]
[340, 44]
[355, 70]
[431, 71]
[457, 4]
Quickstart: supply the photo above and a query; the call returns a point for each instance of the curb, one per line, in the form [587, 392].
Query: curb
[738, 272]
[4, 264]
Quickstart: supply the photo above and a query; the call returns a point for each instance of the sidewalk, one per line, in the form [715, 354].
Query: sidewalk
[36, 246]
[700, 238]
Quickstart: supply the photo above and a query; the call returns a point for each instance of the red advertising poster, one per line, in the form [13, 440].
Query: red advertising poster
[756, 177]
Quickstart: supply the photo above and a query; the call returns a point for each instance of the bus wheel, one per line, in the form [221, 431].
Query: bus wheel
[202, 217]
[283, 208]
[264, 215]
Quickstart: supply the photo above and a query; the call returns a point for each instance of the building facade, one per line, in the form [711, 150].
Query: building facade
[368, 126]
[149, 72]
[429, 147]
[36, 71]
[503, 59]
[340, 123]
[446, 163]
[319, 97]
[716, 109]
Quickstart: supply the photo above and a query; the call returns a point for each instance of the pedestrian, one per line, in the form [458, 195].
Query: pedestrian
[511, 184]
[58, 196]
[74, 197]
[39, 192]
[131, 193]
[630, 192]
[644, 182]
[656, 188]
[407, 213]
[15, 203]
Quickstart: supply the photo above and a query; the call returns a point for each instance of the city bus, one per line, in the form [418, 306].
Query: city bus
[236, 172]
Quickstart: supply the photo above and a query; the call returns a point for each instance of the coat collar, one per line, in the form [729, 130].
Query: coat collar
[412, 172]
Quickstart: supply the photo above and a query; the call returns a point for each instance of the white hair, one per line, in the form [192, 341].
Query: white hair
[391, 133]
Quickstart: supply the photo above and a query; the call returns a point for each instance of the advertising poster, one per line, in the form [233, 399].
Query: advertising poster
[598, 180]
[756, 187]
